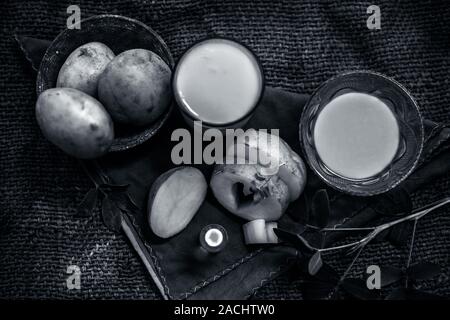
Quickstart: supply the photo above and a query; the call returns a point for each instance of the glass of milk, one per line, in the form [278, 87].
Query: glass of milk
[362, 133]
[219, 82]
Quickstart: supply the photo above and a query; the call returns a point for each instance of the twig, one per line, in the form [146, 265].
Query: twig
[88, 172]
[348, 229]
[338, 229]
[346, 272]
[376, 230]
[411, 247]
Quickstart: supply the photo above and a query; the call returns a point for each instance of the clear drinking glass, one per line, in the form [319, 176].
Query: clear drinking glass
[213, 80]
[406, 112]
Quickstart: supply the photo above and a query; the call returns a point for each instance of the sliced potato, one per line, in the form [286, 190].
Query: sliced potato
[260, 232]
[255, 232]
[271, 236]
[174, 199]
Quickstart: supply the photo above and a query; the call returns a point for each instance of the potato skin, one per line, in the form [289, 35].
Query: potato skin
[75, 122]
[176, 218]
[135, 87]
[83, 67]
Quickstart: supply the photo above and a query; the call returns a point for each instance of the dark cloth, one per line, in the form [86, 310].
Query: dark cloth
[300, 45]
[178, 266]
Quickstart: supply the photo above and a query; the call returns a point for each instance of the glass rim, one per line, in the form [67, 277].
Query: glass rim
[180, 103]
[384, 180]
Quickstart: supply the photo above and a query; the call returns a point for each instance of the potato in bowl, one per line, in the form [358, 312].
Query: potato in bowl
[119, 34]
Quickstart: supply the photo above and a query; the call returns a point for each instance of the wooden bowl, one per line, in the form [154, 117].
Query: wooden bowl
[119, 34]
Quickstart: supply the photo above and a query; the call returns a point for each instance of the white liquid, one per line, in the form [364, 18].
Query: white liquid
[213, 237]
[218, 81]
[356, 135]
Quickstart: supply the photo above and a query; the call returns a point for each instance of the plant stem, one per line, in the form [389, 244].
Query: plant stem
[346, 272]
[348, 229]
[411, 245]
[376, 230]
[83, 165]
[344, 246]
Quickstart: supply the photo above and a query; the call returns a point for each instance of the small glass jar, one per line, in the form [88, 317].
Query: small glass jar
[213, 238]
[387, 92]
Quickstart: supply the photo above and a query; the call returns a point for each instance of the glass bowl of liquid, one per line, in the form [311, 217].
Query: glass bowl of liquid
[219, 82]
[362, 133]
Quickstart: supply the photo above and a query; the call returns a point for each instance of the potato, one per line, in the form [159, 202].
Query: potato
[75, 122]
[260, 232]
[174, 199]
[84, 66]
[135, 87]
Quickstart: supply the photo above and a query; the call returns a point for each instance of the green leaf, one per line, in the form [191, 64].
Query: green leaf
[112, 216]
[88, 203]
[315, 263]
[423, 270]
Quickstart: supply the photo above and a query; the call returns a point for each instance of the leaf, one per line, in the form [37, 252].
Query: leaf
[423, 270]
[88, 203]
[327, 274]
[296, 240]
[390, 275]
[400, 234]
[315, 263]
[124, 202]
[112, 216]
[108, 188]
[320, 208]
[34, 49]
[358, 289]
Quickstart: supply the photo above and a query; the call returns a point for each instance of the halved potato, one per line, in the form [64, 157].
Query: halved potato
[174, 199]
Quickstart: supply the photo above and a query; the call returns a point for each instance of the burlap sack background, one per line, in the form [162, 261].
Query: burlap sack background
[300, 43]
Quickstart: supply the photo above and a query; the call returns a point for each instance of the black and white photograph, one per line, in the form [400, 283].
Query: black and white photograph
[243, 151]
